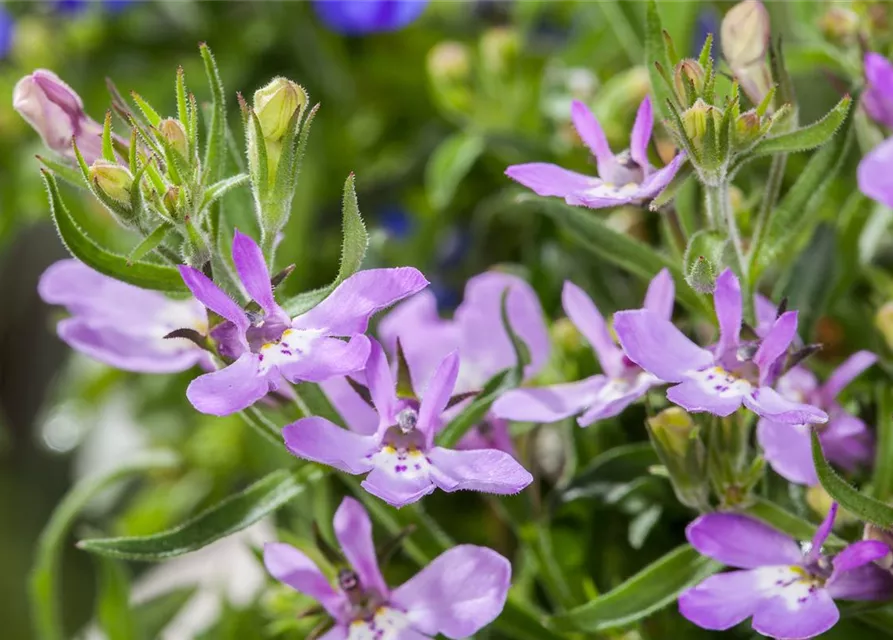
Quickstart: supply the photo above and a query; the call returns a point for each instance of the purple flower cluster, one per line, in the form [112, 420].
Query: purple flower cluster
[877, 165]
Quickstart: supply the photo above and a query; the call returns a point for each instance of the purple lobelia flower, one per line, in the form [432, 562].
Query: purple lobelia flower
[845, 439]
[601, 396]
[268, 347]
[788, 591]
[57, 113]
[878, 96]
[460, 592]
[623, 178]
[720, 379]
[358, 17]
[401, 458]
[122, 325]
[874, 173]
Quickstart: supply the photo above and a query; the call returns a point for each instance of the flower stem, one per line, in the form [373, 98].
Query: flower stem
[719, 209]
[770, 197]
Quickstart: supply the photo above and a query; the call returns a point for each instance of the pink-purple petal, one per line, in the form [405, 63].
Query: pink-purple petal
[461, 591]
[347, 310]
[779, 618]
[291, 567]
[437, 395]
[487, 470]
[327, 358]
[873, 173]
[722, 601]
[774, 344]
[210, 295]
[660, 179]
[859, 554]
[693, 396]
[353, 529]
[319, 440]
[661, 295]
[550, 180]
[548, 404]
[589, 321]
[768, 403]
[252, 270]
[380, 382]
[866, 582]
[787, 449]
[641, 134]
[846, 373]
[821, 535]
[742, 542]
[657, 346]
[611, 401]
[727, 301]
[397, 491]
[592, 135]
[353, 409]
[233, 388]
[878, 96]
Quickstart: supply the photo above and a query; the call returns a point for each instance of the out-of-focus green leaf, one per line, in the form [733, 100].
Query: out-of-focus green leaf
[520, 622]
[614, 468]
[883, 460]
[220, 189]
[656, 54]
[860, 505]
[449, 164]
[651, 589]
[785, 521]
[805, 138]
[141, 274]
[587, 228]
[153, 615]
[232, 514]
[811, 279]
[113, 605]
[45, 575]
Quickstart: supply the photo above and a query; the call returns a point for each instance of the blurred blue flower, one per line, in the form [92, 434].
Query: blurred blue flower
[7, 27]
[707, 22]
[77, 6]
[447, 296]
[396, 221]
[357, 17]
[453, 247]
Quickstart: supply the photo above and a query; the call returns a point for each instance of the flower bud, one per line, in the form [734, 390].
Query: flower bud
[174, 132]
[840, 25]
[674, 428]
[112, 179]
[694, 120]
[674, 435]
[499, 49]
[689, 73]
[701, 275]
[172, 199]
[874, 532]
[276, 104]
[748, 128]
[883, 320]
[449, 61]
[56, 112]
[745, 34]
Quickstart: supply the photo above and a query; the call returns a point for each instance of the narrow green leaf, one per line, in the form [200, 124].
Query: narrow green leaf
[448, 166]
[805, 138]
[635, 257]
[150, 242]
[151, 115]
[220, 189]
[113, 604]
[232, 514]
[648, 591]
[354, 239]
[182, 103]
[785, 521]
[614, 468]
[305, 301]
[108, 149]
[64, 171]
[215, 151]
[883, 461]
[810, 281]
[258, 145]
[623, 30]
[520, 621]
[154, 615]
[141, 274]
[43, 582]
[860, 505]
[657, 60]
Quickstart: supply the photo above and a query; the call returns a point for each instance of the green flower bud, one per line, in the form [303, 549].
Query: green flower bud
[840, 25]
[883, 320]
[694, 119]
[748, 127]
[275, 104]
[744, 34]
[112, 179]
[173, 131]
[674, 428]
[688, 74]
[449, 61]
[674, 435]
[499, 49]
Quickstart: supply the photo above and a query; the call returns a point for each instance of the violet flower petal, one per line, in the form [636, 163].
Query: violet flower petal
[548, 404]
[767, 403]
[592, 135]
[858, 554]
[694, 396]
[867, 582]
[252, 270]
[657, 346]
[846, 373]
[797, 615]
[821, 535]
[487, 470]
[589, 321]
[788, 450]
[292, 567]
[742, 542]
[230, 389]
[437, 395]
[356, 412]
[641, 135]
[319, 440]
[380, 382]
[546, 179]
[347, 310]
[727, 301]
[397, 490]
[461, 591]
[722, 601]
[210, 295]
[326, 358]
[658, 180]
[775, 344]
[874, 173]
[353, 528]
[878, 95]
[616, 396]
[661, 294]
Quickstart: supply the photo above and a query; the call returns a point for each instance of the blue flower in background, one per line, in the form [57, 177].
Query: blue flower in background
[396, 221]
[356, 17]
[77, 6]
[707, 22]
[7, 27]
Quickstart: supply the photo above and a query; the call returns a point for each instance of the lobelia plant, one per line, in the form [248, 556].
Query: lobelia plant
[465, 401]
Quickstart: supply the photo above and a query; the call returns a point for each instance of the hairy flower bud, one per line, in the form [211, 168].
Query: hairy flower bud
[276, 104]
[689, 74]
[745, 34]
[694, 120]
[674, 434]
[112, 179]
[840, 25]
[174, 132]
[674, 428]
[56, 112]
[748, 128]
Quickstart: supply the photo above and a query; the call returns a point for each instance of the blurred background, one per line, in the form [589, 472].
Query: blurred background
[428, 116]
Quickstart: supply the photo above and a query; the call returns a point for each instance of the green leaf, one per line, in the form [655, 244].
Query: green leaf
[650, 590]
[448, 166]
[220, 189]
[113, 604]
[635, 257]
[811, 279]
[520, 622]
[615, 468]
[805, 138]
[150, 114]
[798, 209]
[43, 582]
[860, 505]
[883, 460]
[141, 274]
[108, 150]
[785, 521]
[154, 615]
[150, 242]
[232, 514]
[64, 171]
[215, 151]
[658, 62]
